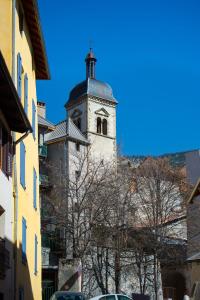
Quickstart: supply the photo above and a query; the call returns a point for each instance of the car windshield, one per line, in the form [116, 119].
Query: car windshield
[67, 296]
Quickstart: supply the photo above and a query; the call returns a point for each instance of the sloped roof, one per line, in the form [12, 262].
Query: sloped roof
[194, 257]
[66, 128]
[34, 25]
[45, 123]
[92, 87]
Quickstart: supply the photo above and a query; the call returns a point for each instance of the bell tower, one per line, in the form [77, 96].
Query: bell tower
[92, 107]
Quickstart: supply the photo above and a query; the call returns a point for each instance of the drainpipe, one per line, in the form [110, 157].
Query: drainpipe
[16, 199]
[22, 137]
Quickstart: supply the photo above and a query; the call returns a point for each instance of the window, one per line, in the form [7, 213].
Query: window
[26, 93]
[77, 174]
[21, 293]
[104, 126]
[19, 75]
[21, 19]
[77, 122]
[36, 255]
[34, 189]
[22, 164]
[98, 125]
[77, 147]
[5, 151]
[121, 297]
[33, 118]
[24, 227]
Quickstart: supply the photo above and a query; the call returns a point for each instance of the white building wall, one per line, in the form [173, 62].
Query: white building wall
[102, 146]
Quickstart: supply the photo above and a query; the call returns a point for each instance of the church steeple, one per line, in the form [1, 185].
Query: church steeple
[90, 65]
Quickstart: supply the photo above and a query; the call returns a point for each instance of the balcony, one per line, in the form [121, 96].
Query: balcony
[4, 259]
[42, 151]
[44, 181]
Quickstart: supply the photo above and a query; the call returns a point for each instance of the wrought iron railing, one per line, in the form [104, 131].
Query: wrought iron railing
[44, 180]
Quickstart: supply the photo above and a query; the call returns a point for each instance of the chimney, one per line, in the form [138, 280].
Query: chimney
[41, 106]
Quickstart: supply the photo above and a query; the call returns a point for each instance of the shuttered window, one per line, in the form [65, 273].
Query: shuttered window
[34, 189]
[36, 256]
[24, 227]
[26, 93]
[22, 164]
[33, 117]
[19, 75]
[5, 151]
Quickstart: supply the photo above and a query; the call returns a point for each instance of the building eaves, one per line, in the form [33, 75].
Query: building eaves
[34, 25]
[195, 192]
[57, 133]
[45, 123]
[194, 257]
[10, 104]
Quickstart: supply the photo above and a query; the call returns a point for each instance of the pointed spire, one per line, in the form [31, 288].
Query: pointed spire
[90, 65]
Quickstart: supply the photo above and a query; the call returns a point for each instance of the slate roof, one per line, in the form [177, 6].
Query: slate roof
[45, 123]
[194, 257]
[91, 87]
[66, 130]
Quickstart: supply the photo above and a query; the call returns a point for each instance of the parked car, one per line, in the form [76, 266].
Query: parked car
[64, 295]
[111, 297]
[195, 295]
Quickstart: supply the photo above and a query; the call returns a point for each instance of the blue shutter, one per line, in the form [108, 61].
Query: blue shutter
[24, 240]
[34, 189]
[22, 164]
[36, 254]
[19, 75]
[33, 117]
[26, 94]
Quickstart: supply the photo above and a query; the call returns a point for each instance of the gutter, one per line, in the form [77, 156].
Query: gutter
[15, 189]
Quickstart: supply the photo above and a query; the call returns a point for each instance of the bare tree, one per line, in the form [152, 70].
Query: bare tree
[118, 219]
[160, 193]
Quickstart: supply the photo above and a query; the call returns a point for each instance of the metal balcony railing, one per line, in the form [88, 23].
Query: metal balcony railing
[43, 150]
[4, 259]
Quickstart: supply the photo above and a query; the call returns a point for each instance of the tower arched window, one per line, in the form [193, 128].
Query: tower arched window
[77, 122]
[98, 125]
[105, 129]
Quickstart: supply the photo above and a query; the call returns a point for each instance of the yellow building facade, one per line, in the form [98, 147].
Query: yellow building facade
[22, 46]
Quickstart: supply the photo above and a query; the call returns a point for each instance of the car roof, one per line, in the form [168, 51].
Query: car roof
[68, 293]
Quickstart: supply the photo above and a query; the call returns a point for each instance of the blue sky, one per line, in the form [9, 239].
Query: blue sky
[148, 51]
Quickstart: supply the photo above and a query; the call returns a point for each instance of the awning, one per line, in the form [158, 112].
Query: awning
[10, 104]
